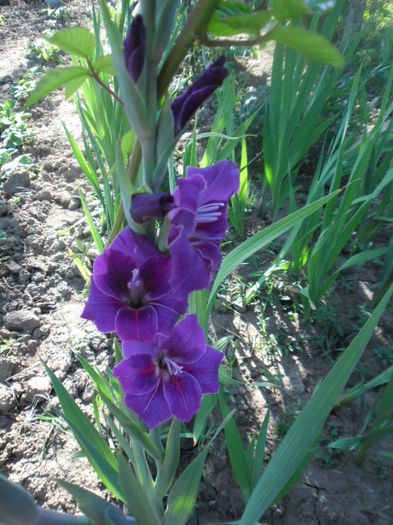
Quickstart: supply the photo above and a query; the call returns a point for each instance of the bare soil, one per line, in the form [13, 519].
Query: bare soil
[40, 305]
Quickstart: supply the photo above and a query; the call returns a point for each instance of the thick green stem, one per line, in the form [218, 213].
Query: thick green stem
[196, 22]
[198, 18]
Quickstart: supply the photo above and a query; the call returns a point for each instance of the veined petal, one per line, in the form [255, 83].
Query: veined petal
[190, 271]
[169, 309]
[138, 374]
[222, 181]
[152, 408]
[155, 273]
[136, 323]
[101, 309]
[188, 191]
[111, 272]
[138, 247]
[186, 343]
[183, 395]
[210, 252]
[205, 370]
[131, 348]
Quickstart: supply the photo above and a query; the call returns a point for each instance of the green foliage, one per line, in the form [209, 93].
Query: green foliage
[14, 131]
[309, 44]
[293, 454]
[77, 41]
[43, 52]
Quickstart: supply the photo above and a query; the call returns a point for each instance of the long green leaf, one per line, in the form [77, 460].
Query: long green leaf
[307, 426]
[260, 240]
[75, 40]
[92, 444]
[237, 455]
[136, 495]
[168, 467]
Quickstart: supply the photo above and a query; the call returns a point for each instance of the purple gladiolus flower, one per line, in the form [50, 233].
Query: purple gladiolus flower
[167, 377]
[199, 222]
[150, 206]
[185, 105]
[130, 292]
[134, 47]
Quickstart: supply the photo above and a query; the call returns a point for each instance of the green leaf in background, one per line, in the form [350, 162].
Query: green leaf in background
[230, 25]
[75, 40]
[309, 44]
[237, 454]
[259, 240]
[305, 430]
[104, 64]
[61, 77]
[289, 9]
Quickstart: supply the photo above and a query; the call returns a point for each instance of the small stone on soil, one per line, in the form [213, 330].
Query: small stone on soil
[21, 321]
[7, 400]
[17, 182]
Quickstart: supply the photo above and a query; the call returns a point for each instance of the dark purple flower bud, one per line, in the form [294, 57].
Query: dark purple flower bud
[167, 377]
[130, 292]
[145, 206]
[199, 222]
[134, 47]
[185, 105]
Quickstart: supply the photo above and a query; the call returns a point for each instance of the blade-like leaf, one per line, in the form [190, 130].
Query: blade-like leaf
[307, 426]
[167, 471]
[135, 495]
[260, 240]
[237, 455]
[92, 444]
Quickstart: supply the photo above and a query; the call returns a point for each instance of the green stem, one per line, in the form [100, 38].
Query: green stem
[196, 22]
[199, 17]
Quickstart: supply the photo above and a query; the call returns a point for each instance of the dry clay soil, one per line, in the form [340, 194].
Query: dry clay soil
[40, 306]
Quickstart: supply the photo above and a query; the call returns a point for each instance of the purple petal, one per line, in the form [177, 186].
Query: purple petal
[183, 394]
[111, 272]
[222, 181]
[146, 207]
[188, 191]
[190, 271]
[101, 309]
[186, 342]
[136, 323]
[205, 370]
[169, 309]
[134, 48]
[139, 247]
[210, 253]
[131, 348]
[138, 374]
[152, 408]
[155, 274]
